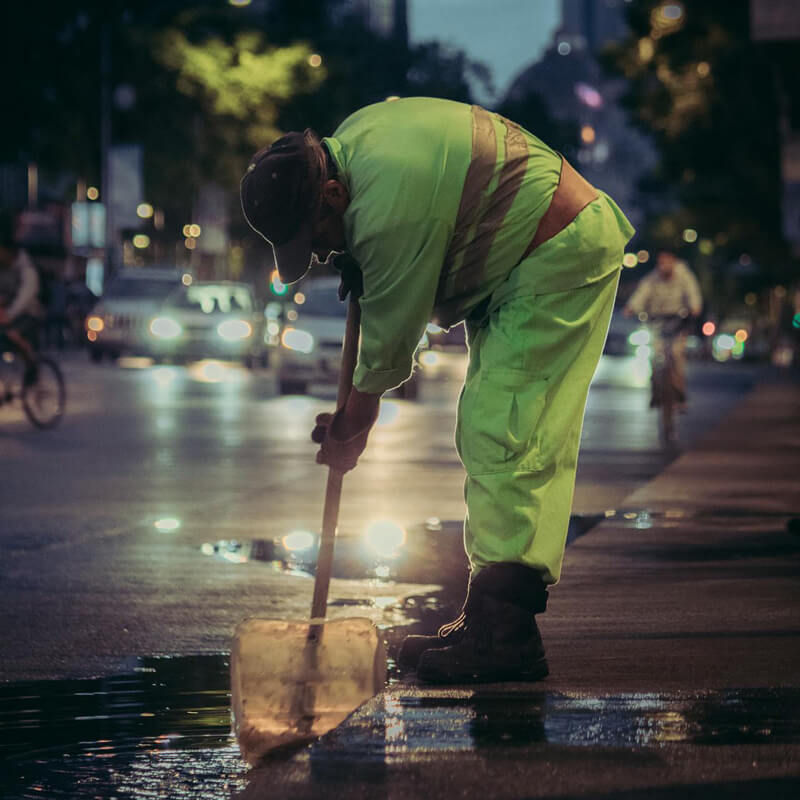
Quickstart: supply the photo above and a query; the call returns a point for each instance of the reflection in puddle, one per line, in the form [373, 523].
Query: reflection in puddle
[163, 730]
[160, 731]
[417, 723]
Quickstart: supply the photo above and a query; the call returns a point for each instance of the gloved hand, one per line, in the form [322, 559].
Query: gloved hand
[351, 278]
[339, 453]
[343, 435]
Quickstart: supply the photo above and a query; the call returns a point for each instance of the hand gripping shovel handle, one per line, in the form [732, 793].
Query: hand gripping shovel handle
[333, 491]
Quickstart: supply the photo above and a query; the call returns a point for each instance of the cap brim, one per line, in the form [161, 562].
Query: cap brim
[293, 258]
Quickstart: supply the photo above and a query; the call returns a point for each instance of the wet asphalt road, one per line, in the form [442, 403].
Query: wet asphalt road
[117, 538]
[106, 519]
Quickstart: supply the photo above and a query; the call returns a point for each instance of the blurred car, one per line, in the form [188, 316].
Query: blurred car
[625, 335]
[119, 321]
[310, 348]
[209, 319]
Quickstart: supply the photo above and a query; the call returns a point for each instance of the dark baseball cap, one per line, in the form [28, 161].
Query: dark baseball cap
[280, 195]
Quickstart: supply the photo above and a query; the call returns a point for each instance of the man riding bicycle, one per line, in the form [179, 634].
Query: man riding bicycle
[21, 312]
[670, 290]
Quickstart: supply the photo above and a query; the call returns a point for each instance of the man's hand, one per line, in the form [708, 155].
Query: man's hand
[343, 436]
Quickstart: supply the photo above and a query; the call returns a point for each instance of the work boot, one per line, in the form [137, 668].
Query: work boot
[496, 638]
[414, 646]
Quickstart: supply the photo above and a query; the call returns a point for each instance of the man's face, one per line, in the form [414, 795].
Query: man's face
[327, 234]
[665, 263]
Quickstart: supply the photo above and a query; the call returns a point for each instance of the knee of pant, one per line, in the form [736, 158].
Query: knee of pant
[500, 427]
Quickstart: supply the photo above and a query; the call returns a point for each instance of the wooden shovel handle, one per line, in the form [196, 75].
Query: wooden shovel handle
[333, 491]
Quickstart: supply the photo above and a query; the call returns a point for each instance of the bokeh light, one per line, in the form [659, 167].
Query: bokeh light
[167, 524]
[385, 537]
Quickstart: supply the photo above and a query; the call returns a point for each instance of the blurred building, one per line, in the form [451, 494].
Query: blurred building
[388, 18]
[776, 24]
[569, 78]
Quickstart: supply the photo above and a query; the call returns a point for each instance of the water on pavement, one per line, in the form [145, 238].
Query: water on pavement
[163, 730]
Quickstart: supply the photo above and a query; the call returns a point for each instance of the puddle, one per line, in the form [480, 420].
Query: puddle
[163, 730]
[416, 559]
[160, 731]
[424, 547]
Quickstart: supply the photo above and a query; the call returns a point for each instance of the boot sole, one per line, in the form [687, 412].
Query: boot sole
[533, 672]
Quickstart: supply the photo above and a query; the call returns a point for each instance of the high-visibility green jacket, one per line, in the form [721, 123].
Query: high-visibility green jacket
[444, 200]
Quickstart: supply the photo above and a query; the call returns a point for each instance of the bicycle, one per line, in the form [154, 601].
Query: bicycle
[666, 397]
[40, 389]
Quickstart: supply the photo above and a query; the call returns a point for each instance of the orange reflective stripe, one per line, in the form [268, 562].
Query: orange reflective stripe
[480, 216]
[479, 175]
[515, 164]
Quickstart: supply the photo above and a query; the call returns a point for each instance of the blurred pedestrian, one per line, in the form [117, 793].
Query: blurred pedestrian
[454, 213]
[21, 313]
[669, 290]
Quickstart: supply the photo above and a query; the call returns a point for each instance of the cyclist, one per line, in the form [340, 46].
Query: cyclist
[21, 312]
[670, 290]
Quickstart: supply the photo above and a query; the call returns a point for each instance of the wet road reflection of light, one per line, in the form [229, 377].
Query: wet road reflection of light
[167, 524]
[388, 414]
[419, 722]
[163, 730]
[134, 362]
[631, 371]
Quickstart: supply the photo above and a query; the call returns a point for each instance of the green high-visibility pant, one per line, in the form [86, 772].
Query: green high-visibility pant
[519, 423]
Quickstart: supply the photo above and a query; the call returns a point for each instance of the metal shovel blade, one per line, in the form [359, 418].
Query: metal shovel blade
[294, 681]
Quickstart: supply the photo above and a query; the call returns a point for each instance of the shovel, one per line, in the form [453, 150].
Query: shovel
[291, 682]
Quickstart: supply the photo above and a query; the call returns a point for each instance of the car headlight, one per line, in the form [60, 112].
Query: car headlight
[296, 339]
[233, 330]
[640, 337]
[95, 323]
[385, 538]
[298, 540]
[165, 328]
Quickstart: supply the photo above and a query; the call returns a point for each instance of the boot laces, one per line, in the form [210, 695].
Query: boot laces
[479, 629]
[451, 627]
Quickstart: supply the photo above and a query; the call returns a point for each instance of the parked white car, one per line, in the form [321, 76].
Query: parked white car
[119, 322]
[209, 319]
[310, 348]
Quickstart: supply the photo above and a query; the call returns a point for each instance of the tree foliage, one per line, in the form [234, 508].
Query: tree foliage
[710, 97]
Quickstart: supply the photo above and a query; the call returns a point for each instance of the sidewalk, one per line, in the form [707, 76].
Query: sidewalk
[674, 649]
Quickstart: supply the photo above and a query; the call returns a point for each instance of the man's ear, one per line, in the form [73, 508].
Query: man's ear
[336, 195]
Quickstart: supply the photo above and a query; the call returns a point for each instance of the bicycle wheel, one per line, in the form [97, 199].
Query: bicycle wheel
[44, 399]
